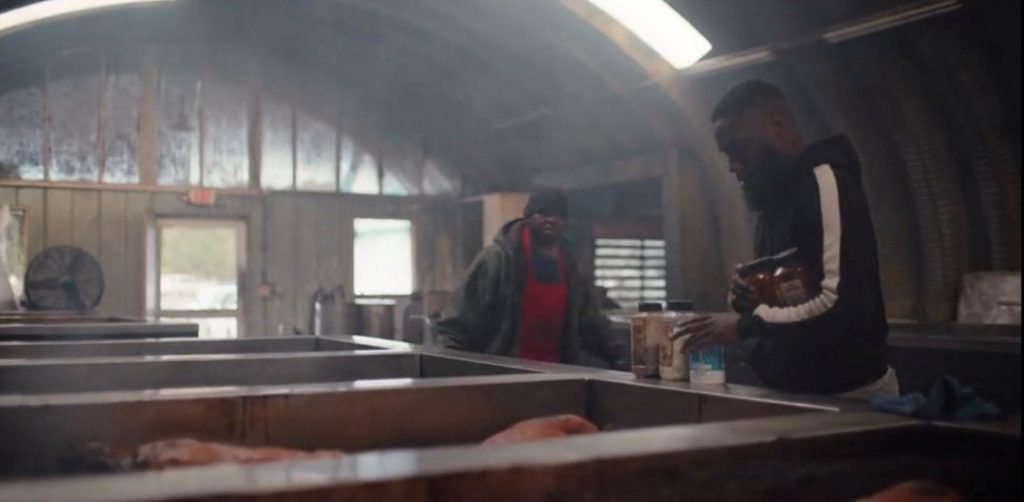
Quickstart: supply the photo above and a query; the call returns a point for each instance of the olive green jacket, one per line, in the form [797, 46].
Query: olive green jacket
[484, 315]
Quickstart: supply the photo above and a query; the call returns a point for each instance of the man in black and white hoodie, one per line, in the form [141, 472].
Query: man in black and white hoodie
[808, 197]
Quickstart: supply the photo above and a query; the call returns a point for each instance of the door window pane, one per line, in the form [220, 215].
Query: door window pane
[198, 267]
[383, 257]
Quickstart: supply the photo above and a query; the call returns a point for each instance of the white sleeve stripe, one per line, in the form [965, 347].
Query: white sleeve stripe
[831, 234]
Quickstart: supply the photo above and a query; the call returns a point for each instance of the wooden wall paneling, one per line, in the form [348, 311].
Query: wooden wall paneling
[85, 220]
[329, 255]
[628, 228]
[424, 225]
[174, 205]
[228, 206]
[498, 209]
[346, 235]
[243, 208]
[437, 247]
[113, 252]
[253, 305]
[32, 199]
[691, 249]
[137, 206]
[164, 205]
[306, 246]
[281, 235]
[363, 206]
[471, 231]
[8, 195]
[672, 215]
[58, 217]
[446, 238]
[308, 240]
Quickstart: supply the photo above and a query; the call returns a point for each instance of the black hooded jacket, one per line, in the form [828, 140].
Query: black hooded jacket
[836, 341]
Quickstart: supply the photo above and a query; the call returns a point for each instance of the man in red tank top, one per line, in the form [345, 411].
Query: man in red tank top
[526, 296]
[544, 290]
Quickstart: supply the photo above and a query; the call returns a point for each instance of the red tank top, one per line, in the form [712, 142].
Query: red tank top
[543, 310]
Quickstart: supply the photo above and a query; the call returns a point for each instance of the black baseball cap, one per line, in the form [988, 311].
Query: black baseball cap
[552, 201]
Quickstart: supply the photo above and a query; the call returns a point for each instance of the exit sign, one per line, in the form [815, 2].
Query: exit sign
[202, 197]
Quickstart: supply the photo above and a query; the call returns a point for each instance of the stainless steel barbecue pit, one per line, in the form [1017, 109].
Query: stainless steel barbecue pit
[55, 376]
[411, 418]
[352, 417]
[54, 350]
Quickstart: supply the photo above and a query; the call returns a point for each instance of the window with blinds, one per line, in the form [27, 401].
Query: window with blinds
[633, 270]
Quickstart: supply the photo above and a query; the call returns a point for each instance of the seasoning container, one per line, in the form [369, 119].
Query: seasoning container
[793, 284]
[707, 366]
[672, 364]
[644, 334]
[760, 275]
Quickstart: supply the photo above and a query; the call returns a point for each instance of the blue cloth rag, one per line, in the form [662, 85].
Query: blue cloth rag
[948, 399]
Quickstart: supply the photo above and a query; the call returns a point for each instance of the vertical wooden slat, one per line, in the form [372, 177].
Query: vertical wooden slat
[420, 168]
[47, 141]
[201, 98]
[280, 259]
[295, 149]
[380, 176]
[32, 199]
[58, 217]
[113, 252]
[337, 159]
[85, 220]
[136, 206]
[255, 137]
